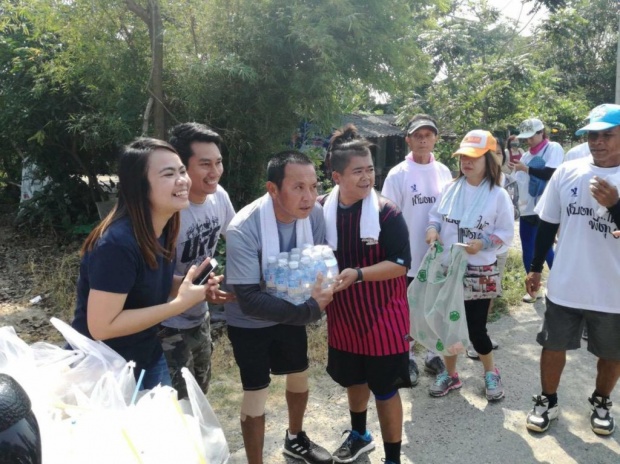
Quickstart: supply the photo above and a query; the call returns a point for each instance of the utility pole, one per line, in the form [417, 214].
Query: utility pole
[618, 66]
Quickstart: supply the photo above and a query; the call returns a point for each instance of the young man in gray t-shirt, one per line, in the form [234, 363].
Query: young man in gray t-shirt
[186, 338]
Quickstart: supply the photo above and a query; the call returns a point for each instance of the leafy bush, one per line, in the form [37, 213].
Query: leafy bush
[66, 210]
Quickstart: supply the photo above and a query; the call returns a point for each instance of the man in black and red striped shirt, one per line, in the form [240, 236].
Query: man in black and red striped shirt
[368, 321]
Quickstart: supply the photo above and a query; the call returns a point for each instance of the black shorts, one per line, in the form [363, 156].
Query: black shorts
[279, 349]
[383, 374]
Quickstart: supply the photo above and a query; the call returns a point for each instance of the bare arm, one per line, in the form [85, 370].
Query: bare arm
[107, 319]
[384, 270]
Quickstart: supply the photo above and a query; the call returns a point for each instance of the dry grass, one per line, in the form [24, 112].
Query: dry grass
[56, 277]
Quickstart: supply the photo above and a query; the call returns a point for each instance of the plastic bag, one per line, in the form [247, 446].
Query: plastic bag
[437, 303]
[215, 446]
[98, 359]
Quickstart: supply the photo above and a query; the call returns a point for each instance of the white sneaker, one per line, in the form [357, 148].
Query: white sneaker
[529, 299]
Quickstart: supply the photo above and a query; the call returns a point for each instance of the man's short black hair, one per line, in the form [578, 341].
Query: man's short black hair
[277, 165]
[183, 135]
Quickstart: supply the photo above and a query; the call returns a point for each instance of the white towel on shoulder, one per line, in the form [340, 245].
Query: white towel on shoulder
[452, 203]
[269, 230]
[369, 227]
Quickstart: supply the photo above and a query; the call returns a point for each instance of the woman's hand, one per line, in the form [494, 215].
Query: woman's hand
[432, 236]
[518, 166]
[473, 247]
[345, 279]
[190, 294]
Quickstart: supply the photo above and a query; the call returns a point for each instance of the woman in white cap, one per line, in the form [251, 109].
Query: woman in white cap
[534, 170]
[476, 211]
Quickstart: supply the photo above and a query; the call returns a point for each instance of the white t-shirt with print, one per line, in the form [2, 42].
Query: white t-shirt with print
[199, 231]
[415, 188]
[496, 218]
[553, 154]
[587, 256]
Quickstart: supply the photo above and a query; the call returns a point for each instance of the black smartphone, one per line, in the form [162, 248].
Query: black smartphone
[204, 275]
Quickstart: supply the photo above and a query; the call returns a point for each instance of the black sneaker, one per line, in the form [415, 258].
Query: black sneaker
[601, 420]
[414, 372]
[305, 449]
[434, 365]
[353, 446]
[539, 418]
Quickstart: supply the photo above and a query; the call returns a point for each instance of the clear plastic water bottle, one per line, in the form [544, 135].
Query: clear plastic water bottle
[319, 264]
[295, 292]
[307, 276]
[270, 275]
[331, 264]
[282, 278]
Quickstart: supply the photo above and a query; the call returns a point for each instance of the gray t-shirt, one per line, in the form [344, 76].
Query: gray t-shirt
[244, 255]
[200, 229]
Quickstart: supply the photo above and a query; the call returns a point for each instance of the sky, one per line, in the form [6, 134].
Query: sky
[517, 11]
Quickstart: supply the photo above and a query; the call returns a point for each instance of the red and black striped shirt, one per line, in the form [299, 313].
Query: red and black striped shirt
[371, 318]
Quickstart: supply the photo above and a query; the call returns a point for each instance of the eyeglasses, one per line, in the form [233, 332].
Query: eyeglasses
[605, 136]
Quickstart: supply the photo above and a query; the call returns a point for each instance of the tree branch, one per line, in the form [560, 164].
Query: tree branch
[139, 11]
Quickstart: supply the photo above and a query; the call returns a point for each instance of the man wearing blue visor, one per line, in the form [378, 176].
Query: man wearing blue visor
[581, 201]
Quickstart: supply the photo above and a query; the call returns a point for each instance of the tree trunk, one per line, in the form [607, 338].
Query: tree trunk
[151, 15]
[157, 76]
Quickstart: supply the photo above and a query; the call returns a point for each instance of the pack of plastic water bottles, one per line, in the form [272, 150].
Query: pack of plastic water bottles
[292, 275]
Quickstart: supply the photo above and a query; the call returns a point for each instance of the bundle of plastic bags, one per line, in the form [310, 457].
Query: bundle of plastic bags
[437, 302]
[88, 408]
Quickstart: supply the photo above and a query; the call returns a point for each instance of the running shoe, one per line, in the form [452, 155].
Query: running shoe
[540, 417]
[434, 365]
[305, 449]
[444, 383]
[601, 419]
[353, 446]
[414, 372]
[493, 385]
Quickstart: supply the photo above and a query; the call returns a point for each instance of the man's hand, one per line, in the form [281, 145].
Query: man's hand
[532, 283]
[220, 297]
[603, 192]
[323, 296]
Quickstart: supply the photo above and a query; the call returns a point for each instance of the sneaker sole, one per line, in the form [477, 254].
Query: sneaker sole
[442, 394]
[495, 398]
[603, 432]
[296, 456]
[430, 370]
[471, 356]
[369, 447]
[538, 429]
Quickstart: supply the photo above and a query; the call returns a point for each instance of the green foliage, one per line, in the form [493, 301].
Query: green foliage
[580, 41]
[61, 209]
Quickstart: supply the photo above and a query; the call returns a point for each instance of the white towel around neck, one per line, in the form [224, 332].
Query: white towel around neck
[369, 227]
[452, 203]
[269, 230]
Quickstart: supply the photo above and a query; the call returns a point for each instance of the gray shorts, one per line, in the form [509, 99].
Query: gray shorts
[562, 329]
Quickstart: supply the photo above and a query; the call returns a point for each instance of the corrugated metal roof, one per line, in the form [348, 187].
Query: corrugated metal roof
[372, 125]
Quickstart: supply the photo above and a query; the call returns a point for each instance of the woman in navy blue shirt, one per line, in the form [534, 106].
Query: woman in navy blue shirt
[126, 285]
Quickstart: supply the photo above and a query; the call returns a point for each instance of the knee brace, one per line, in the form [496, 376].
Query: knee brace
[385, 396]
[253, 404]
[297, 382]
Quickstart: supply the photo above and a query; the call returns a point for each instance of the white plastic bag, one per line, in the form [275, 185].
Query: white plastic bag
[98, 359]
[437, 303]
[215, 446]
